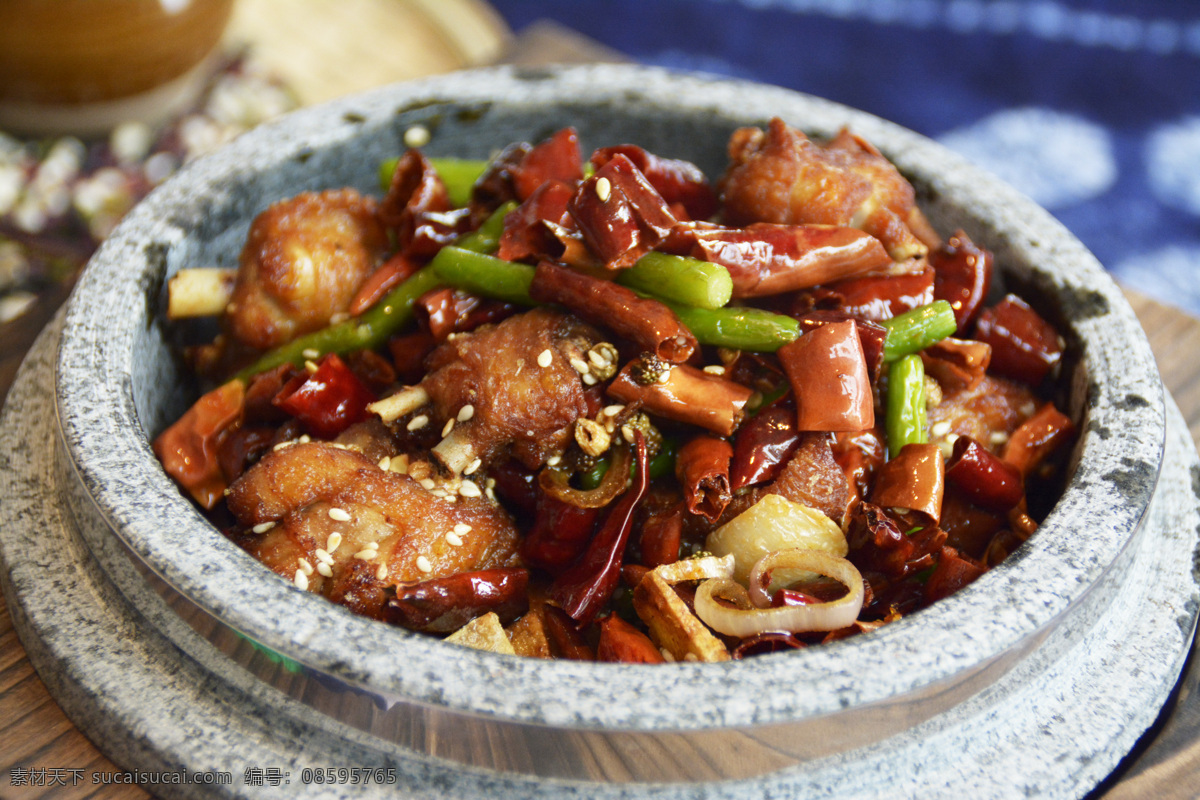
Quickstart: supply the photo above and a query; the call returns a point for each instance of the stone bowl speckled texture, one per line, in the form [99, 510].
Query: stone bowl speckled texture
[119, 382]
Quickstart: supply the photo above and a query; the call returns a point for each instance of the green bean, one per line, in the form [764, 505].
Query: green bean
[486, 238]
[913, 331]
[906, 419]
[740, 328]
[484, 275]
[458, 175]
[366, 331]
[680, 279]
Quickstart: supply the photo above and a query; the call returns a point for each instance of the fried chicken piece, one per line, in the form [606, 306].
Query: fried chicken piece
[314, 508]
[513, 385]
[781, 176]
[303, 262]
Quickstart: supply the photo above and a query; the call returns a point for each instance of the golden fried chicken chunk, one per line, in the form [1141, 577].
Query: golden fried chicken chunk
[303, 262]
[338, 524]
[781, 176]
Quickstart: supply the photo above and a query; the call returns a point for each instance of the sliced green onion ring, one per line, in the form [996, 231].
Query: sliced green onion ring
[744, 619]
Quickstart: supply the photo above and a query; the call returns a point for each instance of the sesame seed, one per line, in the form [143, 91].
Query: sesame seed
[454, 539]
[331, 544]
[339, 515]
[423, 564]
[589, 379]
[366, 554]
[581, 366]
[449, 426]
[603, 189]
[469, 489]
[666, 654]
[372, 545]
[323, 556]
[399, 464]
[263, 527]
[940, 428]
[466, 412]
[417, 422]
[325, 569]
[416, 136]
[627, 433]
[427, 484]
[613, 410]
[310, 367]
[382, 572]
[305, 439]
[305, 566]
[385, 463]
[462, 529]
[715, 369]
[544, 358]
[597, 359]
[473, 466]
[690, 657]
[311, 353]
[553, 461]
[900, 510]
[998, 437]
[301, 580]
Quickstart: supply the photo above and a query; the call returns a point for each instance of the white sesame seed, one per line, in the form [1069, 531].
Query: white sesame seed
[603, 188]
[304, 439]
[998, 437]
[325, 569]
[301, 580]
[1028, 408]
[339, 515]
[449, 426]
[666, 654]
[900, 511]
[544, 358]
[310, 367]
[423, 564]
[690, 657]
[473, 466]
[323, 556]
[332, 543]
[427, 484]
[940, 428]
[417, 422]
[627, 433]
[597, 359]
[263, 527]
[613, 410]
[462, 529]
[382, 572]
[372, 545]
[305, 566]
[581, 366]
[469, 489]
[553, 461]
[416, 136]
[399, 464]
[311, 353]
[366, 554]
[715, 369]
[385, 463]
[588, 379]
[466, 412]
[454, 539]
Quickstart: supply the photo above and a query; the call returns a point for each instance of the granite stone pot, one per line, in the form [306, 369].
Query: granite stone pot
[119, 382]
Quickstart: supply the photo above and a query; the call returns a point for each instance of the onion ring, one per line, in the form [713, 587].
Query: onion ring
[745, 619]
[555, 481]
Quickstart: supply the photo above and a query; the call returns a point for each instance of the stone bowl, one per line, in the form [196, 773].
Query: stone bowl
[119, 382]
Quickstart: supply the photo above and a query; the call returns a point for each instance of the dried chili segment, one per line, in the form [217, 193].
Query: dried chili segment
[983, 477]
[620, 214]
[442, 605]
[702, 466]
[1025, 346]
[763, 445]
[328, 400]
[682, 393]
[678, 181]
[828, 373]
[963, 277]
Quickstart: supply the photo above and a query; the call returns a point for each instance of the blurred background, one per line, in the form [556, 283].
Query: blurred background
[1091, 107]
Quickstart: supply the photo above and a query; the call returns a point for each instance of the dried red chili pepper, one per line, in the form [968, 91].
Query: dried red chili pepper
[443, 605]
[1024, 345]
[662, 534]
[877, 297]
[684, 393]
[957, 363]
[560, 532]
[416, 188]
[915, 479]
[702, 467]
[952, 572]
[446, 310]
[584, 589]
[963, 277]
[676, 180]
[830, 381]
[620, 214]
[763, 445]
[1037, 437]
[188, 449]
[534, 227]
[620, 641]
[392, 273]
[327, 401]
[557, 158]
[982, 477]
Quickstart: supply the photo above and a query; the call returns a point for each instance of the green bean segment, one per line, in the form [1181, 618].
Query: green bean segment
[739, 328]
[486, 238]
[680, 279]
[913, 331]
[364, 332]
[906, 417]
[484, 275]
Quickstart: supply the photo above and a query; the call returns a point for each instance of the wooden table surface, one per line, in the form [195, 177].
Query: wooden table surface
[439, 36]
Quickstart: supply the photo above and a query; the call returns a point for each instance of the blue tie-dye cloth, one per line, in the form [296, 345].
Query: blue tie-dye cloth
[1091, 108]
